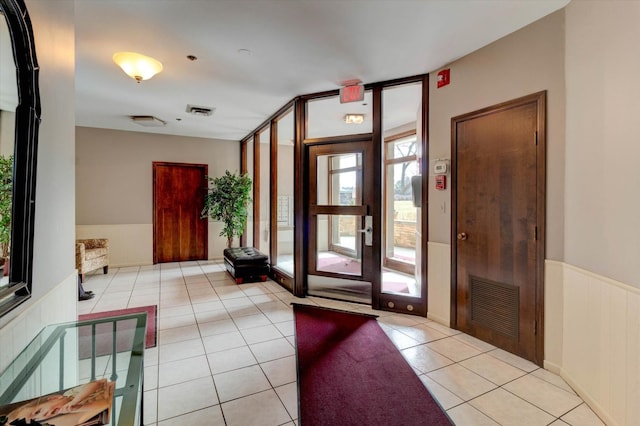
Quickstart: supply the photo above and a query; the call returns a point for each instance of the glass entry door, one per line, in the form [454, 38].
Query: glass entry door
[341, 225]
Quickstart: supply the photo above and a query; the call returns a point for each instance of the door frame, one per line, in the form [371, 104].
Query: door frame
[540, 99]
[371, 183]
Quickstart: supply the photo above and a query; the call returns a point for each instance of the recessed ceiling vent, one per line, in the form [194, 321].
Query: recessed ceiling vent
[147, 120]
[200, 110]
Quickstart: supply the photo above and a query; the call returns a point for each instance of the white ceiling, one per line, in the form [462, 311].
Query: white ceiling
[297, 47]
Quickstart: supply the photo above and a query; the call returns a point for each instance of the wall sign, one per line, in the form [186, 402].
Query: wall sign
[444, 78]
[353, 93]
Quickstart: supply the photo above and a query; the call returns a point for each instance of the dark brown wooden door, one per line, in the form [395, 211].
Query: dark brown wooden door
[179, 234]
[498, 220]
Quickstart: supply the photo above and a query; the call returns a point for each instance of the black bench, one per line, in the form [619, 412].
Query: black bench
[246, 264]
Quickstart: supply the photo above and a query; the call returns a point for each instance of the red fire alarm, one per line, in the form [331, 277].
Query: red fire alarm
[444, 78]
[441, 182]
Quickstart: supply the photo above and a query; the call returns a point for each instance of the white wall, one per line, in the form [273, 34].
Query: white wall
[603, 101]
[522, 63]
[601, 274]
[114, 186]
[54, 281]
[592, 279]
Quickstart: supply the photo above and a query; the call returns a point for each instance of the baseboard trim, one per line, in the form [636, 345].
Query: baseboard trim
[438, 319]
[552, 367]
[591, 402]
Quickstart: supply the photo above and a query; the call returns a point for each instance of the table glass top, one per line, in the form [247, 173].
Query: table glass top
[63, 356]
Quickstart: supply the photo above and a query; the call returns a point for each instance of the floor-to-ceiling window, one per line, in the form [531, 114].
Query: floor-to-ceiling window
[247, 168]
[402, 242]
[263, 198]
[283, 151]
[303, 216]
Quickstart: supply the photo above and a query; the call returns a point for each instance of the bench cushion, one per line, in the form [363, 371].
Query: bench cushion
[245, 256]
[246, 264]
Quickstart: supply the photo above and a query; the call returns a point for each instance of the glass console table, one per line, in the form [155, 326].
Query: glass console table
[62, 356]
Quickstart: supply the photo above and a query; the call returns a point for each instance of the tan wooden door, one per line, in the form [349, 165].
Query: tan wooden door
[179, 234]
[498, 225]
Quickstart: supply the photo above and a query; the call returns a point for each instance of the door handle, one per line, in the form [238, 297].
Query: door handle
[462, 236]
[368, 230]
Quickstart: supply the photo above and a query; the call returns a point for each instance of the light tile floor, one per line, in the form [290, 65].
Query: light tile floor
[226, 356]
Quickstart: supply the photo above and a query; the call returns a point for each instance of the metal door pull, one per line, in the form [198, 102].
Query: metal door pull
[368, 230]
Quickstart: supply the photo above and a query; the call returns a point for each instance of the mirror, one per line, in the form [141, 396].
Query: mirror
[8, 104]
[19, 120]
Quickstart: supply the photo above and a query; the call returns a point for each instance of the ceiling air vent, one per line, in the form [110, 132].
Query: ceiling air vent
[200, 110]
[147, 120]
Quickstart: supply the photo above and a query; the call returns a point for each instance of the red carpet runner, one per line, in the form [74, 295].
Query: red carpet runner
[350, 373]
[126, 330]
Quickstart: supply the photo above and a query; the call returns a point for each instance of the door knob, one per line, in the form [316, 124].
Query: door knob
[462, 236]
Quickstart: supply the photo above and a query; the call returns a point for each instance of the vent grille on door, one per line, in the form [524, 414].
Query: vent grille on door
[494, 305]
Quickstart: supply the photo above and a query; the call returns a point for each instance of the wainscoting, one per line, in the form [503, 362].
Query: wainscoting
[132, 244]
[439, 282]
[601, 344]
[592, 332]
[129, 244]
[57, 306]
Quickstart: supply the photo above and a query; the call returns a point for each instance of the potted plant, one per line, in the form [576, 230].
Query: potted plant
[227, 200]
[6, 202]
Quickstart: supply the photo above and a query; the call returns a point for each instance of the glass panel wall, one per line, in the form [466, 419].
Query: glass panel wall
[261, 240]
[248, 168]
[338, 231]
[341, 181]
[401, 216]
[285, 192]
[326, 116]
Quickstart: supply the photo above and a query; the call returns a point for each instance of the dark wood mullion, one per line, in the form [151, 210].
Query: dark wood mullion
[312, 211]
[360, 137]
[301, 185]
[424, 170]
[273, 197]
[243, 170]
[256, 191]
[373, 187]
[339, 210]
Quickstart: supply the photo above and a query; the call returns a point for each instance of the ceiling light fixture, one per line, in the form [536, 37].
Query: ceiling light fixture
[137, 66]
[354, 118]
